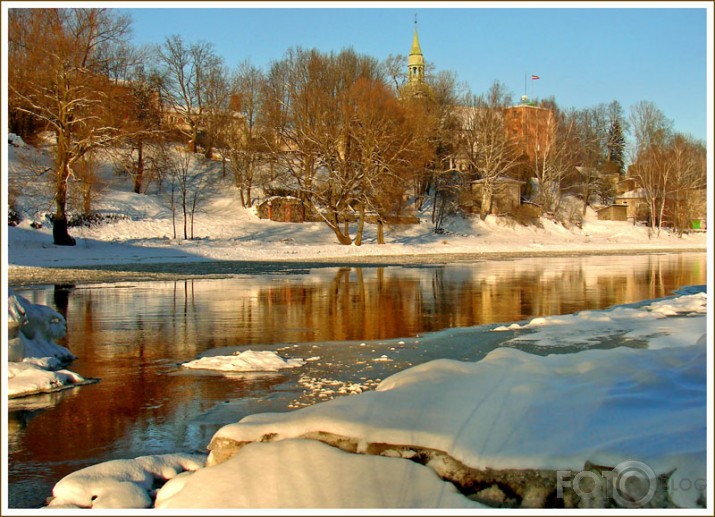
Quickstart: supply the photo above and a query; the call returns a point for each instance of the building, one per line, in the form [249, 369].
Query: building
[613, 213]
[416, 86]
[636, 205]
[531, 128]
[505, 199]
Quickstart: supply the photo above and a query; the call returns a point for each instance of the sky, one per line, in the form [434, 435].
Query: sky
[583, 55]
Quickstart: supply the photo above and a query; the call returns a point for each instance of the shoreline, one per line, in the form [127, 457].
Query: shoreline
[25, 276]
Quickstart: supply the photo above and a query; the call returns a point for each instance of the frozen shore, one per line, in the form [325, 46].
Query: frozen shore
[514, 429]
[77, 274]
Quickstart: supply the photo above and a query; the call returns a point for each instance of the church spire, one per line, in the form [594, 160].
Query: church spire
[416, 50]
[416, 61]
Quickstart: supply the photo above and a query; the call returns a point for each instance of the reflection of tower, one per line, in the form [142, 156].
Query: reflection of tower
[416, 61]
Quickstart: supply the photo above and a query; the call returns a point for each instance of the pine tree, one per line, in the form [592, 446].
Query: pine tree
[616, 142]
[616, 145]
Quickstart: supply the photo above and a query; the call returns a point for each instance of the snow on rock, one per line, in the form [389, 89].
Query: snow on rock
[37, 327]
[15, 140]
[248, 361]
[34, 358]
[515, 410]
[121, 483]
[309, 474]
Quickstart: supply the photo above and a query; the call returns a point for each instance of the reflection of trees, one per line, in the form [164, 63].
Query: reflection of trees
[177, 320]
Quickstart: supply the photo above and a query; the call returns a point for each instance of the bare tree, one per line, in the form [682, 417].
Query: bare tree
[189, 177]
[556, 160]
[490, 153]
[393, 67]
[245, 135]
[686, 193]
[59, 58]
[187, 72]
[217, 105]
[651, 167]
[383, 148]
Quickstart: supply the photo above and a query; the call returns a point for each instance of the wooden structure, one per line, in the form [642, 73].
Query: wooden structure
[613, 213]
[506, 197]
[283, 209]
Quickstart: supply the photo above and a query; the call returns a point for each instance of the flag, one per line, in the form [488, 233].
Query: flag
[534, 77]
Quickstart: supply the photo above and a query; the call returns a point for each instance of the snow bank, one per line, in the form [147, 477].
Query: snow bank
[515, 410]
[15, 140]
[34, 358]
[309, 474]
[121, 483]
[248, 361]
[588, 328]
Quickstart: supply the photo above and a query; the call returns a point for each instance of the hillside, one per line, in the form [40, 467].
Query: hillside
[137, 229]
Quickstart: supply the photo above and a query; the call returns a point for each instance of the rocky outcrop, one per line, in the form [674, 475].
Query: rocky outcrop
[499, 488]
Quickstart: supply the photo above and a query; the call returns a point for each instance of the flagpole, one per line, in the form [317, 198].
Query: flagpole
[525, 85]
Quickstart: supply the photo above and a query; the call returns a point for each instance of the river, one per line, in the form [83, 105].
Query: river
[355, 325]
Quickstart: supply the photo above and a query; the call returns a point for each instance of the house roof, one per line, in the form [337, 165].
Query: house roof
[638, 193]
[502, 180]
[621, 207]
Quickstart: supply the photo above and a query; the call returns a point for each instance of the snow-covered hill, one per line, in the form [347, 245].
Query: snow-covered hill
[142, 230]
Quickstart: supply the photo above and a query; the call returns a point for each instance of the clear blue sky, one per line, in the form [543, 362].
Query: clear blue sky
[584, 56]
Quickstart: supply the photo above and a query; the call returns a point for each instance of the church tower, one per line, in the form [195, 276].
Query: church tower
[416, 87]
[416, 61]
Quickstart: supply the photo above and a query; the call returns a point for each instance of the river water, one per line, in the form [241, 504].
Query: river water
[355, 325]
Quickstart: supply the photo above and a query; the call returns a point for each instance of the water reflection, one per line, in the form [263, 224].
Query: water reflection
[133, 336]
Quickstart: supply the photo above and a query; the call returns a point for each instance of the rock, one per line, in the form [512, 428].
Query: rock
[493, 496]
[536, 497]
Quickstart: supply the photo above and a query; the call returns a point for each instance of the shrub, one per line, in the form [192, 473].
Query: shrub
[527, 214]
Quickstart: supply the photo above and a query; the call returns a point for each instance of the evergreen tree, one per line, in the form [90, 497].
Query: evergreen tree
[616, 145]
[616, 142]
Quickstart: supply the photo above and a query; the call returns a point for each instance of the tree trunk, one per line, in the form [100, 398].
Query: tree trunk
[243, 199]
[486, 205]
[139, 175]
[60, 234]
[343, 238]
[380, 232]
[183, 206]
[193, 144]
[361, 226]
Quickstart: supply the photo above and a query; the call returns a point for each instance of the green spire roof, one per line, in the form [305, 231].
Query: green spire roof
[416, 58]
[416, 50]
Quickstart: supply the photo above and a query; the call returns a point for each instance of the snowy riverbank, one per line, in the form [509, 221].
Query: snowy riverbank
[515, 429]
[135, 236]
[243, 243]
